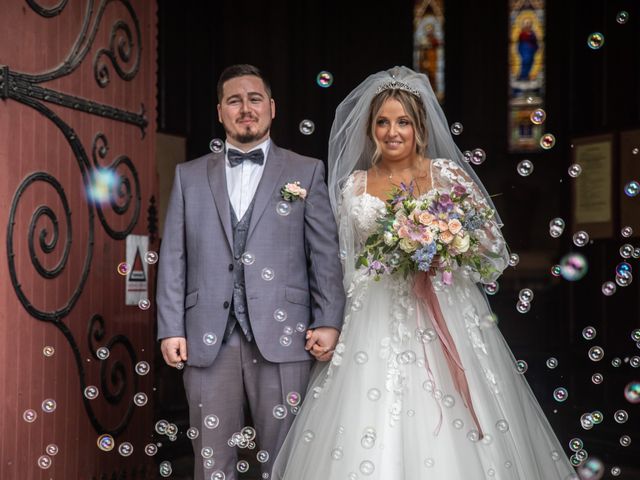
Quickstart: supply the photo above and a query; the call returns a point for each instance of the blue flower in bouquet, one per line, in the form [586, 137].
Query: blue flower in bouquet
[424, 256]
[473, 221]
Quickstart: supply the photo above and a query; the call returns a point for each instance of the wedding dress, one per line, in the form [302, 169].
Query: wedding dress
[392, 404]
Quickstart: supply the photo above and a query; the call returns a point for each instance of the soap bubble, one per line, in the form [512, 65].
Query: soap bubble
[456, 128]
[632, 188]
[29, 415]
[595, 40]
[125, 449]
[622, 17]
[574, 170]
[210, 338]
[307, 127]
[597, 378]
[608, 288]
[538, 116]
[632, 392]
[142, 368]
[576, 444]
[279, 411]
[556, 227]
[91, 392]
[514, 259]
[52, 449]
[523, 307]
[491, 288]
[478, 156]
[525, 168]
[216, 145]
[103, 353]
[44, 461]
[165, 469]
[105, 442]
[624, 279]
[144, 304]
[525, 295]
[573, 267]
[556, 270]
[589, 333]
[521, 366]
[580, 238]
[151, 257]
[140, 399]
[621, 416]
[324, 79]
[625, 440]
[123, 268]
[626, 231]
[626, 250]
[552, 363]
[48, 351]
[547, 141]
[211, 421]
[49, 405]
[596, 353]
[560, 394]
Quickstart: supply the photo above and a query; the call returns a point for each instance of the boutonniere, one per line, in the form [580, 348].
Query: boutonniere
[293, 191]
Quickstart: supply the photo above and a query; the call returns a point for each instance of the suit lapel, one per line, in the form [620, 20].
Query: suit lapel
[272, 171]
[218, 184]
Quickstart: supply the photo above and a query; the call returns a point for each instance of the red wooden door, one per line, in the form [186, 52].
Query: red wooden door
[77, 150]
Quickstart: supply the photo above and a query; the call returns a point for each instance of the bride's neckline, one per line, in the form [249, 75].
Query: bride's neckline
[384, 202]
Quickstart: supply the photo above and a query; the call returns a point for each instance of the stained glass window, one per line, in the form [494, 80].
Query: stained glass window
[526, 74]
[428, 42]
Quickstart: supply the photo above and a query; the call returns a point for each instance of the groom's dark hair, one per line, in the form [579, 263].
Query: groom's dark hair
[241, 70]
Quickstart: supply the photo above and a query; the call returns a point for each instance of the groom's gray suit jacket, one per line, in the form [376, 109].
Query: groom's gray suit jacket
[195, 276]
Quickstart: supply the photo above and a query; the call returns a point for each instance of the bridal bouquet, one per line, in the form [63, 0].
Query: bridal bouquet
[433, 231]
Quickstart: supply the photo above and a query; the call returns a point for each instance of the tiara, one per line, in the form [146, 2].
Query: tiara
[396, 85]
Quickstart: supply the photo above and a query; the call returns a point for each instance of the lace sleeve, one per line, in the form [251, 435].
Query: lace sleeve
[492, 246]
[354, 185]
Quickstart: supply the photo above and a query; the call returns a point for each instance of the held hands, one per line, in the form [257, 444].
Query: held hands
[174, 350]
[321, 342]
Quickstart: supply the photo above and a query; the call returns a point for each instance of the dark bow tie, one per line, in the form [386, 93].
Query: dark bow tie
[236, 157]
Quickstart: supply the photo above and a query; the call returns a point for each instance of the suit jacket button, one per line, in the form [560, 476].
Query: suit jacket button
[230, 266]
[225, 305]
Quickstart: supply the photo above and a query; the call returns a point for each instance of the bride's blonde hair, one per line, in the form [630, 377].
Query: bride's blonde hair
[414, 109]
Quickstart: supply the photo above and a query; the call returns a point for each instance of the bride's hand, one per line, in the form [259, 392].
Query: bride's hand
[435, 265]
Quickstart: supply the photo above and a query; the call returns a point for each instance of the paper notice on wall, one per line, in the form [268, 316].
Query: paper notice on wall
[137, 284]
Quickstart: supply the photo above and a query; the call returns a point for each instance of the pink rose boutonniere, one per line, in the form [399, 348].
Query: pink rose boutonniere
[293, 191]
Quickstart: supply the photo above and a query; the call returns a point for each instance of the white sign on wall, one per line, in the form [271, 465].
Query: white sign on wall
[137, 283]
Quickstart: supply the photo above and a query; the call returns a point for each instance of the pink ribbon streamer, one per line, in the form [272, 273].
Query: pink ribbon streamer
[423, 288]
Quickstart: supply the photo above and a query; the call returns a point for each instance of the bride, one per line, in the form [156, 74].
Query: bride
[421, 384]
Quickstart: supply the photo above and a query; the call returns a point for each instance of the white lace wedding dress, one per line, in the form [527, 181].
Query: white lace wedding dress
[387, 407]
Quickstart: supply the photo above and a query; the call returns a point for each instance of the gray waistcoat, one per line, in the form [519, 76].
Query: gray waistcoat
[238, 313]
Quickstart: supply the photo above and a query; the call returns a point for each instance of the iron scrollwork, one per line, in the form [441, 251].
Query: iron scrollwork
[124, 196]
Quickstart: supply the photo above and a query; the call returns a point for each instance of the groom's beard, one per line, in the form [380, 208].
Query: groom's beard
[248, 136]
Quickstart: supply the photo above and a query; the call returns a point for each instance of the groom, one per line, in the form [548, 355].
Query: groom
[249, 281]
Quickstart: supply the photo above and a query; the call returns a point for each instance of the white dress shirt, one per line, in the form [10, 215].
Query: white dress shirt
[243, 180]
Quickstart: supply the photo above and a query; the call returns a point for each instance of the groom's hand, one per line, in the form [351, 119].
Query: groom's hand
[321, 342]
[174, 350]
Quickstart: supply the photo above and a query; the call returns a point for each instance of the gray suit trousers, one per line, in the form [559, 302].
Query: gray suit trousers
[241, 377]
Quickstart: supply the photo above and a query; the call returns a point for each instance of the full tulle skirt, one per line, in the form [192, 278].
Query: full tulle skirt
[387, 406]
